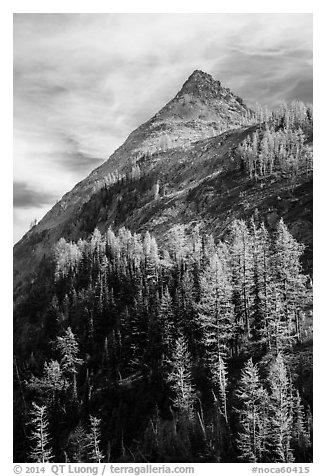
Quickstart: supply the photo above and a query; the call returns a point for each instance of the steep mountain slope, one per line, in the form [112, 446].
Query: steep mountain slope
[180, 166]
[202, 108]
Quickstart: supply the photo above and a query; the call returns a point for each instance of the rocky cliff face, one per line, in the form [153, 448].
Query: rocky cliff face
[178, 167]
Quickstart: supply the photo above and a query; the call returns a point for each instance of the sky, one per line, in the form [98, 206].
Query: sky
[83, 82]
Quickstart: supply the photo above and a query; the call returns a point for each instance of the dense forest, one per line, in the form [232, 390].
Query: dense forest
[280, 145]
[189, 352]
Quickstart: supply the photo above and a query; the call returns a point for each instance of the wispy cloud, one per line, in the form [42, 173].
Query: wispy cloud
[25, 197]
[83, 82]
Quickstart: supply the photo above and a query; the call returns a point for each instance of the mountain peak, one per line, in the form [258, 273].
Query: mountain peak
[202, 102]
[198, 82]
[198, 74]
[201, 109]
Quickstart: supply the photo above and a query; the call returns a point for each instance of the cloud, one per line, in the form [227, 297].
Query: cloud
[83, 82]
[270, 79]
[302, 90]
[25, 197]
[78, 162]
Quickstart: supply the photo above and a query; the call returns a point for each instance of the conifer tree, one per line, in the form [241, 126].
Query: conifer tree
[222, 382]
[67, 256]
[94, 437]
[95, 244]
[215, 311]
[51, 383]
[68, 347]
[180, 379]
[41, 452]
[177, 243]
[277, 329]
[241, 262]
[262, 277]
[252, 436]
[151, 255]
[280, 408]
[78, 444]
[186, 309]
[288, 275]
[166, 321]
[300, 436]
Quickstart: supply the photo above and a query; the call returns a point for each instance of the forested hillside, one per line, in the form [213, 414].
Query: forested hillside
[150, 342]
[166, 316]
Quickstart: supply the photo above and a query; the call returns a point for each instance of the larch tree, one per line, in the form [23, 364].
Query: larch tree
[251, 441]
[186, 311]
[220, 375]
[180, 379]
[94, 437]
[277, 329]
[281, 414]
[77, 445]
[288, 275]
[68, 348]
[241, 263]
[300, 435]
[166, 322]
[41, 451]
[151, 255]
[51, 383]
[177, 243]
[262, 284]
[215, 311]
